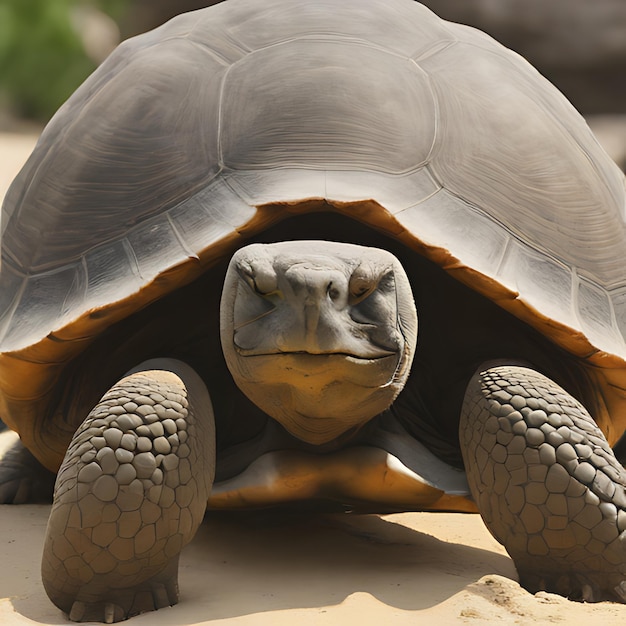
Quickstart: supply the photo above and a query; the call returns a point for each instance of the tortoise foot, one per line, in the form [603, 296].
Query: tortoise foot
[581, 586]
[23, 480]
[546, 483]
[131, 492]
[156, 593]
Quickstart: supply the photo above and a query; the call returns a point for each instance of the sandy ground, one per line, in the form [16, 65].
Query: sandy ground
[414, 568]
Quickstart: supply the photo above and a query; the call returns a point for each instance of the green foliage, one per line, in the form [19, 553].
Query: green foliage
[115, 8]
[42, 59]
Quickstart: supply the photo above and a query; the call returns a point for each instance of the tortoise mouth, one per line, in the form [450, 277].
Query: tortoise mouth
[305, 354]
[302, 369]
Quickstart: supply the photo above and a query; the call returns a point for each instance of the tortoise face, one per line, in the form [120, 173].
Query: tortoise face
[319, 335]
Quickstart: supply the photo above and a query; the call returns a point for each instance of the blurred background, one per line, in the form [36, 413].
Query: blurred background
[48, 47]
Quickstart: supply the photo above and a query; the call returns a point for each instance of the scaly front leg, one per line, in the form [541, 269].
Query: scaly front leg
[546, 483]
[131, 492]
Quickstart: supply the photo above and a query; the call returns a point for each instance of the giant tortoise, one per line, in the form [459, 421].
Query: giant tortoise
[354, 159]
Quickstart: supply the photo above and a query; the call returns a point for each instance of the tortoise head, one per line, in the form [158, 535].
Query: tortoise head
[319, 335]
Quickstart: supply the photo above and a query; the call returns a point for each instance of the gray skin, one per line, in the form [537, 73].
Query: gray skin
[319, 335]
[137, 476]
[431, 142]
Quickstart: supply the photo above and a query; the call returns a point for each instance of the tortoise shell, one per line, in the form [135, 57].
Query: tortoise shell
[191, 138]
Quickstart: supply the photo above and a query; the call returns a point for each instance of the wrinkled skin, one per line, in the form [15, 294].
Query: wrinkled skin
[319, 335]
[298, 319]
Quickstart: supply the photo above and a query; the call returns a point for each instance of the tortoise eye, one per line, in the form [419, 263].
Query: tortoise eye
[373, 297]
[363, 282]
[360, 288]
[261, 277]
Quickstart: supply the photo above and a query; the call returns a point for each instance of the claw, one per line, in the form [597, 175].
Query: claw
[620, 590]
[172, 590]
[113, 613]
[587, 593]
[161, 598]
[78, 611]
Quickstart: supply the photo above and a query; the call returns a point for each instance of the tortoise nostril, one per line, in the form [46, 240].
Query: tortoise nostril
[316, 283]
[266, 282]
[260, 275]
[333, 292]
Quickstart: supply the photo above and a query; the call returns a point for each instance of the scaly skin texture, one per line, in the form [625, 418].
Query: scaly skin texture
[547, 483]
[22, 478]
[131, 492]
